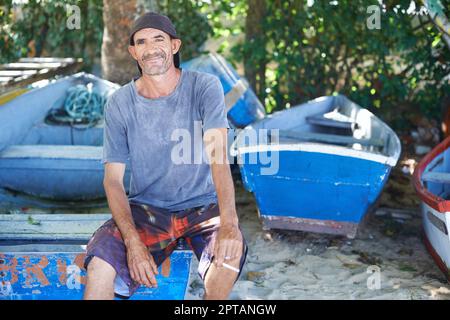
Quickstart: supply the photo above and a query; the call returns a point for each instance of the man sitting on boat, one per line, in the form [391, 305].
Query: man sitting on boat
[167, 201]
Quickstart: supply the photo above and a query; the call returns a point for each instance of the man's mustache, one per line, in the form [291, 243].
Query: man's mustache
[153, 56]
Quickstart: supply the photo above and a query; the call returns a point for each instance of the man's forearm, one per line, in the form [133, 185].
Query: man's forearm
[121, 211]
[223, 181]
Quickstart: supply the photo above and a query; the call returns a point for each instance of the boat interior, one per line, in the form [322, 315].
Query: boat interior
[333, 120]
[436, 176]
[38, 136]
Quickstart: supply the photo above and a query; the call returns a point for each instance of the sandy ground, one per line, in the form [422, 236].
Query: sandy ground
[298, 265]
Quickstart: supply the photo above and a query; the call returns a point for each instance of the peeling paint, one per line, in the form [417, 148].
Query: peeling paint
[62, 276]
[36, 270]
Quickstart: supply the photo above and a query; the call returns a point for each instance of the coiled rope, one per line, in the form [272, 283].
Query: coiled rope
[83, 107]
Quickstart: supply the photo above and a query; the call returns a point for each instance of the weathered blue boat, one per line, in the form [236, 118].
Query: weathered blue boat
[60, 276]
[318, 166]
[243, 106]
[41, 258]
[50, 161]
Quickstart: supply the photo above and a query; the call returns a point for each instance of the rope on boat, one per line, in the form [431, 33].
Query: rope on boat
[83, 107]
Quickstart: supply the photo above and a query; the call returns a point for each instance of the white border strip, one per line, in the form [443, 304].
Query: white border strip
[321, 148]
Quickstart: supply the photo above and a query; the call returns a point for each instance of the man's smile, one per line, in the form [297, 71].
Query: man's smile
[154, 60]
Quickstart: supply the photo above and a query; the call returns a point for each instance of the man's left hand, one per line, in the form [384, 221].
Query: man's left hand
[228, 245]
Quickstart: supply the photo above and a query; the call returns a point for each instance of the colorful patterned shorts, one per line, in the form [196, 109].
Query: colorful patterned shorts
[160, 230]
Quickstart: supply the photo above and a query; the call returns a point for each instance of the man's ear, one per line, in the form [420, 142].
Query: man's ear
[132, 51]
[176, 44]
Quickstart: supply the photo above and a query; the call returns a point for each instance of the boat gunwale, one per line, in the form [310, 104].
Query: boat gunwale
[332, 149]
[48, 82]
[390, 160]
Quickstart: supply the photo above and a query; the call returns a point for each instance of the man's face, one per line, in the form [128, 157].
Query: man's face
[153, 50]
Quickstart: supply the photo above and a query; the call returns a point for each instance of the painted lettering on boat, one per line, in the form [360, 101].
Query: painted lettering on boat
[34, 272]
[62, 269]
[37, 273]
[10, 267]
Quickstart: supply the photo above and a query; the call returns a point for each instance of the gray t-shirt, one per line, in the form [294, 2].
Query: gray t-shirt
[143, 133]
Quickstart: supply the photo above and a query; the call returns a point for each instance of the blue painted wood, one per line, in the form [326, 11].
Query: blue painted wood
[60, 276]
[316, 186]
[248, 108]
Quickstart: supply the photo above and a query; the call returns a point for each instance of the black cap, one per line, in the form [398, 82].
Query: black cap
[156, 21]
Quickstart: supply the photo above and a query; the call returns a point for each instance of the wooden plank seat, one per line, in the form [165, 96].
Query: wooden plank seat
[329, 138]
[436, 177]
[30, 65]
[52, 151]
[50, 226]
[332, 119]
[16, 73]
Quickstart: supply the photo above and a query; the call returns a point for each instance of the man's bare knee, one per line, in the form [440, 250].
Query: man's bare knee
[100, 280]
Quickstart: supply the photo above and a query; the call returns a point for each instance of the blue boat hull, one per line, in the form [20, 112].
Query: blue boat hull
[331, 192]
[60, 276]
[68, 173]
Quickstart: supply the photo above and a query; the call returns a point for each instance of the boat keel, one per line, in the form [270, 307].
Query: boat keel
[347, 229]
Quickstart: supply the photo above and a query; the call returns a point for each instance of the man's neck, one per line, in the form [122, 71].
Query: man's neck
[158, 86]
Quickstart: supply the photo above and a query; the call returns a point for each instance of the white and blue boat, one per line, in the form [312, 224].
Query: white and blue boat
[317, 167]
[432, 182]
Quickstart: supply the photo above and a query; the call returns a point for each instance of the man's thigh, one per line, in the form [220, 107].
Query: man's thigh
[107, 244]
[201, 237]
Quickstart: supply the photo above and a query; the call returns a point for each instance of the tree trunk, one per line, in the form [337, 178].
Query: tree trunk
[254, 33]
[118, 16]
[446, 117]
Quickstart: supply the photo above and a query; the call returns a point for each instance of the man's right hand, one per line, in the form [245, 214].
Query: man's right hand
[141, 264]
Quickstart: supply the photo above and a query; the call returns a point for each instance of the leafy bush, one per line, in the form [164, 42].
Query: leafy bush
[327, 48]
[192, 26]
[42, 30]
[8, 47]
[306, 48]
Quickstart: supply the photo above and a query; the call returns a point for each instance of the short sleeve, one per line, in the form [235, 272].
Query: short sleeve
[212, 105]
[115, 144]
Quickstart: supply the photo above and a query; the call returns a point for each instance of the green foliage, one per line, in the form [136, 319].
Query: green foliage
[302, 52]
[42, 30]
[192, 26]
[326, 48]
[7, 44]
